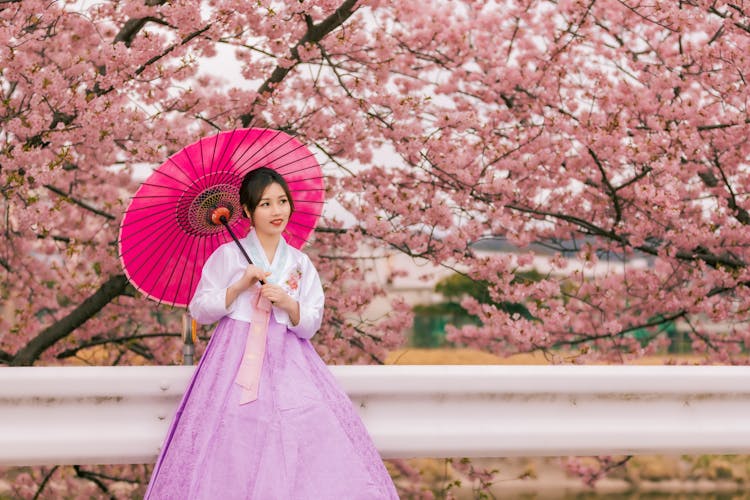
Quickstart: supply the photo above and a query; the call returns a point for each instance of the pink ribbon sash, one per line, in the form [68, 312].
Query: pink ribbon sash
[248, 374]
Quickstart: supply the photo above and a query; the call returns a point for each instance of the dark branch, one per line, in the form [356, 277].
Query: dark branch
[715, 126]
[741, 214]
[68, 353]
[583, 338]
[698, 254]
[44, 482]
[84, 474]
[610, 190]
[112, 288]
[131, 28]
[314, 34]
[80, 203]
[107, 477]
[185, 40]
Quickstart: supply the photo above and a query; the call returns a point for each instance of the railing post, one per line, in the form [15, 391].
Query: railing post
[188, 339]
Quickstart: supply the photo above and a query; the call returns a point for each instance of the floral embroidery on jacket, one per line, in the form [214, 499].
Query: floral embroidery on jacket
[292, 283]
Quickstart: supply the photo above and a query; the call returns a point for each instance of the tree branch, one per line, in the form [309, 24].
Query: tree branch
[314, 34]
[699, 253]
[112, 288]
[84, 474]
[741, 214]
[118, 340]
[133, 26]
[80, 203]
[582, 338]
[44, 482]
[185, 40]
[610, 190]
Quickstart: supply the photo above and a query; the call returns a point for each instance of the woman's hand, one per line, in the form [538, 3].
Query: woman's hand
[250, 277]
[279, 298]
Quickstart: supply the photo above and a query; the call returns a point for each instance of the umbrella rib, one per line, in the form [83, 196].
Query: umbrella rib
[192, 261]
[164, 217]
[214, 163]
[306, 213]
[286, 153]
[164, 210]
[201, 248]
[298, 237]
[225, 150]
[137, 196]
[309, 190]
[293, 177]
[154, 230]
[244, 168]
[184, 241]
[237, 164]
[299, 224]
[197, 176]
[211, 165]
[309, 156]
[147, 270]
[296, 161]
[226, 175]
[248, 147]
[203, 163]
[153, 267]
[161, 172]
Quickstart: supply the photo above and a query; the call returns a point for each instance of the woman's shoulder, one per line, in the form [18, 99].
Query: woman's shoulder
[299, 256]
[225, 250]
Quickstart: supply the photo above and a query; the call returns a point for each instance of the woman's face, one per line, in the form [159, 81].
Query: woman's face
[272, 213]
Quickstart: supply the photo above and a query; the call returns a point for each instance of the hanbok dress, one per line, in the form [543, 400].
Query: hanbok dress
[301, 438]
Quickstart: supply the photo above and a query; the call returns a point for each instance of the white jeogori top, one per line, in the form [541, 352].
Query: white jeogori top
[291, 269]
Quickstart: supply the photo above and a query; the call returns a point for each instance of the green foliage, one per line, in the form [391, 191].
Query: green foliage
[430, 320]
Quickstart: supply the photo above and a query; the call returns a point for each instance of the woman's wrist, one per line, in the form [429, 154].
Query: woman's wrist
[286, 304]
[234, 290]
[292, 310]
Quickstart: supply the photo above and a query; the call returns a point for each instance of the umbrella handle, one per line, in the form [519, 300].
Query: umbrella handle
[220, 214]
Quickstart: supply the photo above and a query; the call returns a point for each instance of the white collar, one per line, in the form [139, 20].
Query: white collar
[258, 256]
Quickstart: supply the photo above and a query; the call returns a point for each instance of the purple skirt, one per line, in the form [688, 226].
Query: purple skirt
[301, 439]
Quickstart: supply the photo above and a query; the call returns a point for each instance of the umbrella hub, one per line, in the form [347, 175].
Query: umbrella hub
[202, 209]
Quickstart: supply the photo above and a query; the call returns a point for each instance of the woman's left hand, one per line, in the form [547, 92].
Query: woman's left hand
[276, 295]
[279, 298]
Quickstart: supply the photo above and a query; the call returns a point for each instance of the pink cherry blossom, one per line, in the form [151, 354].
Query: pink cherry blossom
[613, 135]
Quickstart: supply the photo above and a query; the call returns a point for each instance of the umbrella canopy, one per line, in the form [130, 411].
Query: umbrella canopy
[172, 223]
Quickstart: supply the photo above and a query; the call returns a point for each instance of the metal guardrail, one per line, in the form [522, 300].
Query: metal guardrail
[98, 415]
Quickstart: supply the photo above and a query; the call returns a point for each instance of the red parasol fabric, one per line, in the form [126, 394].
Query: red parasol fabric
[172, 223]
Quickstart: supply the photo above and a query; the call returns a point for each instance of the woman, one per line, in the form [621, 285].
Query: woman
[263, 418]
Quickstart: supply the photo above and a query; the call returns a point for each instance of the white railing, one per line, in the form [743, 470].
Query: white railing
[88, 415]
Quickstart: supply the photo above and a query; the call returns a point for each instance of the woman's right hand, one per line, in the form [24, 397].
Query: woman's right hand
[250, 277]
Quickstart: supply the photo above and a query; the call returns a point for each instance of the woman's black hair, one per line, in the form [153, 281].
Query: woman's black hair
[255, 182]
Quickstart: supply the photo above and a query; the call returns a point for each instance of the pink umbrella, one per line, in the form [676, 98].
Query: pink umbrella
[190, 205]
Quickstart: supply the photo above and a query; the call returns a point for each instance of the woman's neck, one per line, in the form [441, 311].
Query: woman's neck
[269, 243]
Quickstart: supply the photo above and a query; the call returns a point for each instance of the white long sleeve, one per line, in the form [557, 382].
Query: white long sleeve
[208, 304]
[309, 295]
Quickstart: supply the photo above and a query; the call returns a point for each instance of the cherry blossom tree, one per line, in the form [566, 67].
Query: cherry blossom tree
[613, 130]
